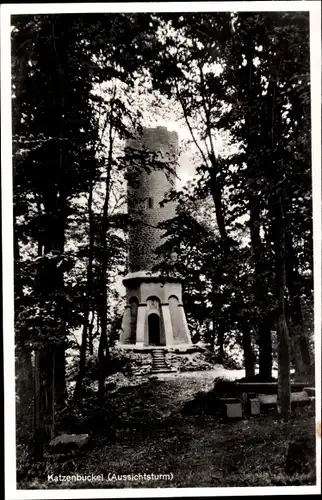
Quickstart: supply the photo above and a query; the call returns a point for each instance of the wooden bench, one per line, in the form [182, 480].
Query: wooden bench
[267, 387]
[255, 396]
[271, 399]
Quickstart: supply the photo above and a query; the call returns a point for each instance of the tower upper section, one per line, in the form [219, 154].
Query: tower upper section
[146, 190]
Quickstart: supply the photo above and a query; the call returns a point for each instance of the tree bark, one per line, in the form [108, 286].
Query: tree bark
[43, 402]
[55, 284]
[90, 335]
[302, 355]
[263, 319]
[103, 351]
[220, 343]
[249, 358]
[284, 379]
[24, 388]
[24, 369]
[89, 280]
[49, 372]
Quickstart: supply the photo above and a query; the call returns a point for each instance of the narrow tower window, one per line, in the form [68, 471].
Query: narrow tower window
[150, 203]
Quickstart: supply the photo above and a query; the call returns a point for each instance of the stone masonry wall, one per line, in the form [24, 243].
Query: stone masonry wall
[145, 195]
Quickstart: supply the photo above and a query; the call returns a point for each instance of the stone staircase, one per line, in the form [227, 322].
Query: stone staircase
[158, 362]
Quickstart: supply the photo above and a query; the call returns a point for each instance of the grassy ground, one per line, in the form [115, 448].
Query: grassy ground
[145, 429]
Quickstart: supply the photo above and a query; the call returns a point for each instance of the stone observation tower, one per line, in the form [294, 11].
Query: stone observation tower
[154, 314]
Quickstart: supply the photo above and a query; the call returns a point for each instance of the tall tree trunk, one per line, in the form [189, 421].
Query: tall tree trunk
[24, 369]
[89, 286]
[103, 352]
[284, 379]
[44, 394]
[249, 358]
[49, 373]
[263, 320]
[304, 365]
[214, 339]
[90, 335]
[43, 402]
[55, 242]
[23, 352]
[216, 190]
[276, 175]
[103, 343]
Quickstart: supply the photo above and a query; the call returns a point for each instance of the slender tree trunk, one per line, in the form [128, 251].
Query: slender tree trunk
[284, 379]
[82, 364]
[216, 190]
[44, 394]
[299, 341]
[249, 358]
[58, 349]
[276, 175]
[86, 327]
[263, 320]
[60, 375]
[220, 343]
[90, 335]
[24, 388]
[44, 402]
[24, 369]
[214, 332]
[49, 373]
[103, 343]
[103, 351]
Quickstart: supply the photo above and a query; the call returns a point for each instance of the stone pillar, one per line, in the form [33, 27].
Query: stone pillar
[140, 325]
[184, 323]
[126, 326]
[168, 331]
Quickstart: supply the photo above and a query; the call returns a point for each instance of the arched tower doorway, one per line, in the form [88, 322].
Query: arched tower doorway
[154, 329]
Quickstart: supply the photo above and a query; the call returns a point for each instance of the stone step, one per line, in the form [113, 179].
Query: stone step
[161, 370]
[159, 364]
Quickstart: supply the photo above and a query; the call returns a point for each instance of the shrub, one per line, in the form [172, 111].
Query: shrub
[225, 388]
[203, 402]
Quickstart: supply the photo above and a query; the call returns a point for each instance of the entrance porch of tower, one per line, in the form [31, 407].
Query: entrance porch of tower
[154, 316]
